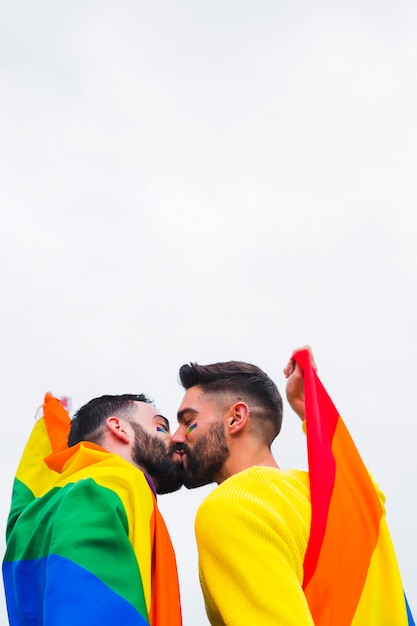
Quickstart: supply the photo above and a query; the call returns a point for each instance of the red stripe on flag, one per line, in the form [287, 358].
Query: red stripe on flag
[345, 509]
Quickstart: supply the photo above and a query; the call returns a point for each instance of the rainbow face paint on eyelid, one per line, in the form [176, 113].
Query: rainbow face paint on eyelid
[160, 429]
[190, 428]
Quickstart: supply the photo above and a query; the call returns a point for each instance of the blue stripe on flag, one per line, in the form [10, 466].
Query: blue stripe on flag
[55, 591]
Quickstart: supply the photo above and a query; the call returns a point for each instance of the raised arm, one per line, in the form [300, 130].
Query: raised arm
[295, 383]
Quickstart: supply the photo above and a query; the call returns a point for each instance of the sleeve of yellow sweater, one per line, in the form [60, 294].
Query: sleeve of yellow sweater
[251, 552]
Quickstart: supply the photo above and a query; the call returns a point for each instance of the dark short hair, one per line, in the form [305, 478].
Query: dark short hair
[242, 380]
[88, 422]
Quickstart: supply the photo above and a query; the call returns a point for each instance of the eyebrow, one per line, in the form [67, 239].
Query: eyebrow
[161, 417]
[181, 414]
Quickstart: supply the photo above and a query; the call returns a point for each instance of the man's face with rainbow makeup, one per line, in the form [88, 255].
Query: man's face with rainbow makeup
[200, 438]
[153, 449]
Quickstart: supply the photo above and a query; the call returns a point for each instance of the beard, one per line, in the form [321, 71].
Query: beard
[206, 458]
[156, 458]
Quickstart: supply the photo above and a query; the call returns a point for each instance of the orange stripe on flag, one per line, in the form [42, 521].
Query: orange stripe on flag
[349, 538]
[57, 422]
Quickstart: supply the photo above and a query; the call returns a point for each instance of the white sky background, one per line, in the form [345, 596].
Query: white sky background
[210, 181]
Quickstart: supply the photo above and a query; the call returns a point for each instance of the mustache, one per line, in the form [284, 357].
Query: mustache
[179, 447]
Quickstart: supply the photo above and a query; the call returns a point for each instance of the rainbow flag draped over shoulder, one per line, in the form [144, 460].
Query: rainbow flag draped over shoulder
[351, 575]
[86, 543]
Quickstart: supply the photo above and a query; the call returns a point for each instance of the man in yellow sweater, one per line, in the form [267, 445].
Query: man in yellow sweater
[252, 530]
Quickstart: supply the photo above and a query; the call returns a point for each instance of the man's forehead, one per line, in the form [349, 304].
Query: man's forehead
[196, 399]
[144, 409]
[145, 412]
[195, 394]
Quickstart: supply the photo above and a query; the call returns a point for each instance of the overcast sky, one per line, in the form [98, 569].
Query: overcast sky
[208, 181]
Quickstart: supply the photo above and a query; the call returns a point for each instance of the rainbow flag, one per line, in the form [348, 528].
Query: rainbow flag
[351, 575]
[86, 543]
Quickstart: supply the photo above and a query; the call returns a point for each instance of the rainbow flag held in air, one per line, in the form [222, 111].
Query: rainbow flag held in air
[86, 543]
[351, 575]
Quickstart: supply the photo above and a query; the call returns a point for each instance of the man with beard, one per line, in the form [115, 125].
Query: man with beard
[252, 530]
[93, 548]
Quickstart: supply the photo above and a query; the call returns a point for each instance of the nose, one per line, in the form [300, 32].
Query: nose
[179, 435]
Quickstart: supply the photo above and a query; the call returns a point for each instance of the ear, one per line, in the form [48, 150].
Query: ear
[117, 428]
[238, 418]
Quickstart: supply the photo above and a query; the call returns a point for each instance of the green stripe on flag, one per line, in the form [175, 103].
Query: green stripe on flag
[85, 523]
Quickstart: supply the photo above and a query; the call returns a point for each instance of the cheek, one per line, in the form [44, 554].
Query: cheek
[202, 444]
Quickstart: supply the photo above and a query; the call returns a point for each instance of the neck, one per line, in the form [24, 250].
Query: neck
[242, 457]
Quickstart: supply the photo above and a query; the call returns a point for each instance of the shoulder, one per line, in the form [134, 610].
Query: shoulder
[262, 482]
[259, 494]
[266, 507]
[108, 476]
[105, 469]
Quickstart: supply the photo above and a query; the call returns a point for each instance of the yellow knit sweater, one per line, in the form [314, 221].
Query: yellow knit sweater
[252, 533]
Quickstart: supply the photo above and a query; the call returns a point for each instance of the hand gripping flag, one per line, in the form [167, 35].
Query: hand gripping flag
[86, 543]
[351, 575]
